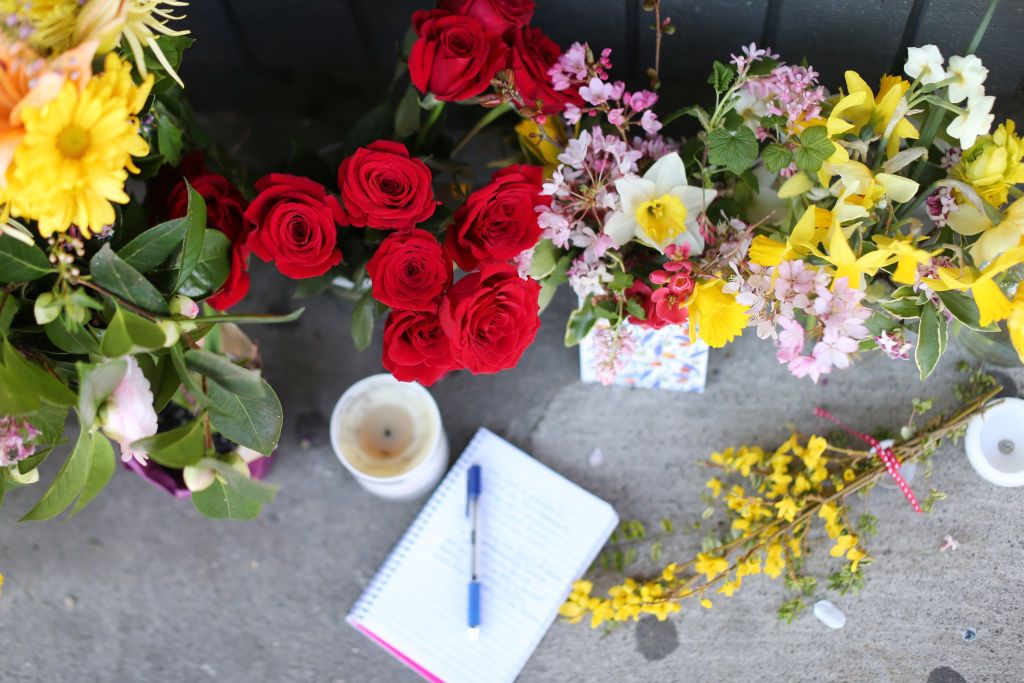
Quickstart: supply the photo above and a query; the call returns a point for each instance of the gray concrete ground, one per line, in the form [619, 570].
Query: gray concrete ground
[141, 588]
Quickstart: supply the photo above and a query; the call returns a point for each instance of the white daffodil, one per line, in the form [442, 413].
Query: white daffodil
[925, 63]
[659, 209]
[969, 75]
[974, 122]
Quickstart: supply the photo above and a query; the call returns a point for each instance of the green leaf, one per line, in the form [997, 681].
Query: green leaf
[109, 270]
[20, 262]
[69, 336]
[362, 321]
[931, 341]
[545, 257]
[9, 307]
[100, 471]
[734, 149]
[130, 333]
[45, 385]
[163, 382]
[621, 281]
[154, 246]
[172, 48]
[547, 293]
[211, 269]
[16, 394]
[169, 137]
[903, 308]
[776, 157]
[177, 448]
[232, 494]
[814, 147]
[634, 308]
[243, 407]
[964, 309]
[581, 322]
[251, 318]
[68, 483]
[721, 76]
[95, 386]
[195, 235]
[407, 116]
[375, 125]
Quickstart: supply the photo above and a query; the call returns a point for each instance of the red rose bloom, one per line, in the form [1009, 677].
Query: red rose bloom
[383, 187]
[410, 271]
[641, 294]
[496, 15]
[225, 205]
[498, 221]
[416, 349]
[294, 225]
[225, 211]
[455, 57]
[533, 53]
[491, 316]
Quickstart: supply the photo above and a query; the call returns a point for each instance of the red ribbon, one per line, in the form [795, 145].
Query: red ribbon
[892, 466]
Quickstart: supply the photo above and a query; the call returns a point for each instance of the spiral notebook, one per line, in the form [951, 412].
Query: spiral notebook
[539, 533]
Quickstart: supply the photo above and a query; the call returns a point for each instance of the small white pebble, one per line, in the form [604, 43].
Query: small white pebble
[70, 602]
[829, 614]
[596, 457]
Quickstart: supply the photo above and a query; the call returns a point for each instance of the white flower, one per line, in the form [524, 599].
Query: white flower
[969, 74]
[925, 63]
[128, 415]
[659, 209]
[976, 121]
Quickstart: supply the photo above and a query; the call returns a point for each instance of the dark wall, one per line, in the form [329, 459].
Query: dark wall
[281, 69]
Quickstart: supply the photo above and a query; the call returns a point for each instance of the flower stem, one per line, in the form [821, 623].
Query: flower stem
[484, 121]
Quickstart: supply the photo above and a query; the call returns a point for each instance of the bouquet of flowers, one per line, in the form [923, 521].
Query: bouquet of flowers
[101, 309]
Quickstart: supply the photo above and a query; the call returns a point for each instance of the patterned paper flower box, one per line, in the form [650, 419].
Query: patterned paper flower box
[660, 359]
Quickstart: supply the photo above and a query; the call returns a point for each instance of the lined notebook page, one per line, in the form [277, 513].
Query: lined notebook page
[539, 533]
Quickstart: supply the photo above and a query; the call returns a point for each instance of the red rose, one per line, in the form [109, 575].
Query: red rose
[498, 221]
[491, 316]
[225, 205]
[641, 294]
[410, 271]
[383, 187]
[455, 57]
[533, 53]
[236, 286]
[294, 225]
[416, 348]
[496, 15]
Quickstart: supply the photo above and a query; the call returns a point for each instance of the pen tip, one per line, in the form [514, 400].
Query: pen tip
[474, 633]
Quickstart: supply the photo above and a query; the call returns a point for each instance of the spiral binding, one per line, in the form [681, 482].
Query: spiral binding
[394, 559]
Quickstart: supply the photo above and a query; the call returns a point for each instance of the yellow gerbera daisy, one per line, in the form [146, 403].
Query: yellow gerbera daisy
[77, 151]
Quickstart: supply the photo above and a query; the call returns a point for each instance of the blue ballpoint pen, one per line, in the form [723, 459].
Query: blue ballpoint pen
[473, 512]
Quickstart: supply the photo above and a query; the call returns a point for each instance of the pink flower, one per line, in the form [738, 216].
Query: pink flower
[571, 66]
[597, 92]
[15, 438]
[573, 114]
[650, 123]
[790, 342]
[678, 258]
[834, 349]
[128, 415]
[640, 100]
[894, 345]
[615, 117]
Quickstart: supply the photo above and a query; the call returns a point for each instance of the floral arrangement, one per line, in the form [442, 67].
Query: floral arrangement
[832, 222]
[101, 294]
[768, 502]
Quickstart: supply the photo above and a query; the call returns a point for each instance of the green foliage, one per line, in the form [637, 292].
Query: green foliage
[362, 321]
[177, 447]
[722, 76]
[232, 495]
[932, 336]
[111, 272]
[20, 262]
[581, 322]
[407, 114]
[963, 308]
[154, 246]
[735, 149]
[791, 609]
[776, 157]
[75, 477]
[130, 333]
[813, 148]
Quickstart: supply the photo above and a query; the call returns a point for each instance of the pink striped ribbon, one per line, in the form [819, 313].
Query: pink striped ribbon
[892, 466]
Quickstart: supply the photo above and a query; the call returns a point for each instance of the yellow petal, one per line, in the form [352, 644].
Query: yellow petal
[897, 188]
[795, 186]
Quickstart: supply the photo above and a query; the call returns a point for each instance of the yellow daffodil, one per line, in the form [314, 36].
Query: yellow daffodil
[807, 234]
[77, 152]
[870, 188]
[994, 239]
[1015, 323]
[795, 185]
[993, 305]
[542, 145]
[993, 164]
[877, 111]
[908, 256]
[718, 316]
[850, 266]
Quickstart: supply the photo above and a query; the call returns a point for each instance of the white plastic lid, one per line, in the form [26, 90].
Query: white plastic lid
[995, 442]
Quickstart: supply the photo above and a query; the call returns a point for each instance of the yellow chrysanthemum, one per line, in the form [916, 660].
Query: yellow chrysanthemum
[718, 316]
[77, 151]
[47, 25]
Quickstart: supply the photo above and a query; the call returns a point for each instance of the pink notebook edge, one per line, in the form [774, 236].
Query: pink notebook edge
[394, 651]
